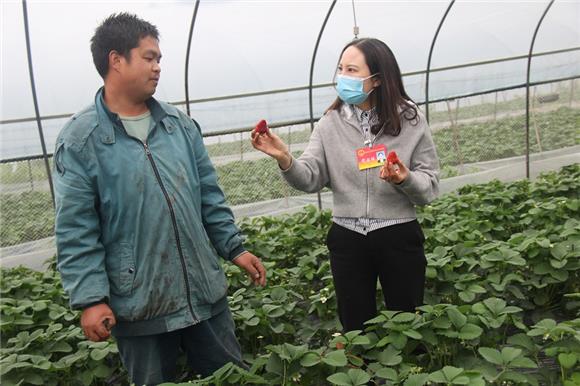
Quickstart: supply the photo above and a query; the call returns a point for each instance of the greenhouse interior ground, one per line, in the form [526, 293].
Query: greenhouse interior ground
[498, 83]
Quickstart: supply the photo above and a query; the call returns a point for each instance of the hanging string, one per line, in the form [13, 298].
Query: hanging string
[355, 28]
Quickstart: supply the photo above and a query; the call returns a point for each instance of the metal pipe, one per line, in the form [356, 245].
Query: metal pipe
[321, 85]
[193, 17]
[35, 99]
[429, 59]
[307, 120]
[312, 76]
[528, 89]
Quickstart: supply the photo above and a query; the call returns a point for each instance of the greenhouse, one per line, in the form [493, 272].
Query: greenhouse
[495, 86]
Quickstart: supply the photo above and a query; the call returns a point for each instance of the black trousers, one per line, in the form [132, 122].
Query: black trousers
[394, 255]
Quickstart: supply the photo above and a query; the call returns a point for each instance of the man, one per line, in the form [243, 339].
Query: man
[141, 220]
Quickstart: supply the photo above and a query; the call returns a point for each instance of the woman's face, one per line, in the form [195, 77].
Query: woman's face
[353, 63]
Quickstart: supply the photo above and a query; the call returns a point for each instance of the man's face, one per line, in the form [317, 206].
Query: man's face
[140, 74]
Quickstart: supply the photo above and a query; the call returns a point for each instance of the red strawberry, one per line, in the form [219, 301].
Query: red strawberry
[392, 158]
[262, 127]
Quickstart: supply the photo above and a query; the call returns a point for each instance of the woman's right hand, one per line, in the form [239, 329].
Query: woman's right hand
[269, 143]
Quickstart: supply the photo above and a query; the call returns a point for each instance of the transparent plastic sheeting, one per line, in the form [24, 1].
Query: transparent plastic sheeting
[254, 46]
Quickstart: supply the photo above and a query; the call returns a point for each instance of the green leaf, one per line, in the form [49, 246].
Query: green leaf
[567, 361]
[278, 294]
[403, 317]
[273, 311]
[523, 362]
[479, 308]
[475, 378]
[559, 251]
[252, 322]
[442, 323]
[574, 380]
[55, 315]
[558, 264]
[5, 369]
[491, 355]
[34, 379]
[508, 354]
[515, 376]
[356, 361]
[278, 328]
[524, 341]
[61, 346]
[495, 305]
[358, 377]
[399, 340]
[416, 379]
[23, 322]
[383, 342]
[86, 377]
[98, 354]
[467, 296]
[543, 242]
[102, 371]
[352, 334]
[390, 356]
[451, 372]
[340, 379]
[335, 358]
[360, 340]
[376, 320]
[413, 334]
[68, 360]
[456, 317]
[247, 313]
[295, 352]
[462, 380]
[560, 275]
[519, 261]
[274, 364]
[477, 289]
[43, 365]
[470, 332]
[386, 373]
[39, 305]
[438, 377]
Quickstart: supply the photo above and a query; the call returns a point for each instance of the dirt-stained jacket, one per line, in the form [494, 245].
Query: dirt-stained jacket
[141, 225]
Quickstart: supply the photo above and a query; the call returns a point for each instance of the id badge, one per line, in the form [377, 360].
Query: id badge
[371, 157]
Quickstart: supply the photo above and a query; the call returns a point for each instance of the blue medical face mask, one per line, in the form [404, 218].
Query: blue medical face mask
[351, 90]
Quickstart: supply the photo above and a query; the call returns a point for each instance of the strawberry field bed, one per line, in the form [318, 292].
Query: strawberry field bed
[502, 304]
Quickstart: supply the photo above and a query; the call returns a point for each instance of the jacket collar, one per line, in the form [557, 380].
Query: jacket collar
[348, 114]
[108, 120]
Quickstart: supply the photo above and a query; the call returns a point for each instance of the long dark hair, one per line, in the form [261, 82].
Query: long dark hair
[390, 95]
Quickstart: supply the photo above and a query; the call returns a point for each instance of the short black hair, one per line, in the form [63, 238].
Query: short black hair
[119, 32]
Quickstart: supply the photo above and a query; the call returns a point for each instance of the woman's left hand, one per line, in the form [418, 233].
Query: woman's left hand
[394, 172]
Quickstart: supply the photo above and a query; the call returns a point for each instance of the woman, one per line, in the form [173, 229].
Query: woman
[375, 233]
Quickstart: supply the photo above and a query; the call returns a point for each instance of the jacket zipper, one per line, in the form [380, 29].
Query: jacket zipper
[175, 229]
[370, 144]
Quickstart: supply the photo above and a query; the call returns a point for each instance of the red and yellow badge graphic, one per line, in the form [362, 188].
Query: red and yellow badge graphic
[371, 157]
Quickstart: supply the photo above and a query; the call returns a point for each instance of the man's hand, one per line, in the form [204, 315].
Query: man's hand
[97, 321]
[253, 266]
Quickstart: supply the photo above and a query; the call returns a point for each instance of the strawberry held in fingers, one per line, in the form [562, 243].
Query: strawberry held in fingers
[392, 158]
[262, 127]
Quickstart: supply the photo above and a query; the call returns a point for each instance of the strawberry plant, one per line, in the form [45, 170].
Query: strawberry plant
[501, 305]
